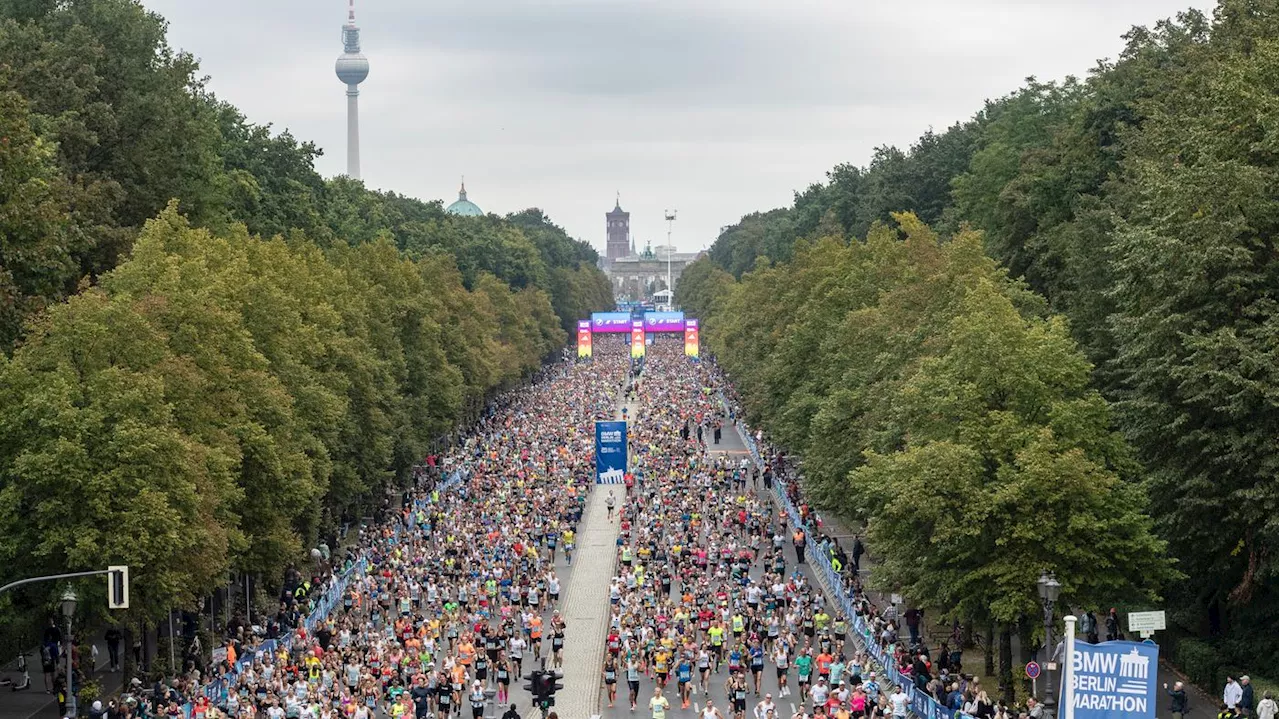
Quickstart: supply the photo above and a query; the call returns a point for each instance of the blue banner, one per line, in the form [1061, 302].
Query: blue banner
[610, 321]
[664, 322]
[611, 452]
[1114, 680]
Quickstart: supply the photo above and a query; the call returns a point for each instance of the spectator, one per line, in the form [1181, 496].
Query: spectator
[1178, 700]
[1232, 693]
[1267, 707]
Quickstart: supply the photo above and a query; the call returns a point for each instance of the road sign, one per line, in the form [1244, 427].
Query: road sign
[1144, 623]
[1033, 670]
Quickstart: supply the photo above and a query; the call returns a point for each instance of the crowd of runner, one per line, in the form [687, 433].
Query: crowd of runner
[712, 591]
[709, 587]
[454, 600]
[458, 596]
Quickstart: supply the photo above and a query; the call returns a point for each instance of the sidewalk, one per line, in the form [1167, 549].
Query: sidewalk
[34, 703]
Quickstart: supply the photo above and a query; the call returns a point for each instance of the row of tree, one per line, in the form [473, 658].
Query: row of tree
[1141, 205]
[206, 390]
[933, 397]
[216, 401]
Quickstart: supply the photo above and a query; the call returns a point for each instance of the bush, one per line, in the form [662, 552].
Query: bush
[1201, 662]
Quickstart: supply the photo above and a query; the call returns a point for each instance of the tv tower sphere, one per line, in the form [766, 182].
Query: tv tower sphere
[352, 68]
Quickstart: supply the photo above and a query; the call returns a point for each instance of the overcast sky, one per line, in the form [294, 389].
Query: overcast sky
[715, 108]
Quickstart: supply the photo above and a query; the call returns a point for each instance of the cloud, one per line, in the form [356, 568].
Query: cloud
[715, 107]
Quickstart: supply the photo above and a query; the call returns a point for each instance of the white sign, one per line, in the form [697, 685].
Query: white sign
[895, 599]
[1146, 622]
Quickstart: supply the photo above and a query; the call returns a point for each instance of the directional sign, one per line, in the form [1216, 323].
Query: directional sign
[1146, 622]
[1033, 670]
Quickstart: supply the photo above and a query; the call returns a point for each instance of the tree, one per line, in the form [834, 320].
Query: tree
[1008, 470]
[1196, 306]
[96, 467]
[43, 218]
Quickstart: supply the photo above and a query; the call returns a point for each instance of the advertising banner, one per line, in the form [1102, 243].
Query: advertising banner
[611, 452]
[637, 339]
[664, 322]
[1113, 680]
[691, 338]
[611, 322]
[584, 338]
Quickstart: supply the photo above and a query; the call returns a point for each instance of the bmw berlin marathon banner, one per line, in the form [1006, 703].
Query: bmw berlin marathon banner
[1113, 680]
[611, 452]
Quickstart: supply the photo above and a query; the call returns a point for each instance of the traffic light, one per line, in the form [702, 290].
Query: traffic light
[118, 587]
[543, 685]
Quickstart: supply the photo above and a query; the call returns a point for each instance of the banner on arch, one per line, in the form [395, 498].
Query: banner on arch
[584, 338]
[691, 348]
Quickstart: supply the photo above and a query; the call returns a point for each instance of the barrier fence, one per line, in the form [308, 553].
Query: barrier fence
[217, 690]
[921, 704]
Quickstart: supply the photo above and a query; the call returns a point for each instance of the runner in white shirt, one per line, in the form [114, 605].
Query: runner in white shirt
[763, 708]
[898, 703]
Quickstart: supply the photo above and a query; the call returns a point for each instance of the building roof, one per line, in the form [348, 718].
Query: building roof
[463, 206]
[617, 207]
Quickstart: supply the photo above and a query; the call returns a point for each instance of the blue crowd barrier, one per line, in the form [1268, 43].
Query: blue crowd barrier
[921, 704]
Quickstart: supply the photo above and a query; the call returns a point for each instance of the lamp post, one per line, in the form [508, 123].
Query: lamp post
[69, 610]
[671, 298]
[1049, 589]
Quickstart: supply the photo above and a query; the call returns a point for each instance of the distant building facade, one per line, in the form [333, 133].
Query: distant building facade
[638, 277]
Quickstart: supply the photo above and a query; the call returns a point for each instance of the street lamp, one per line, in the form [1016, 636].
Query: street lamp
[1049, 589]
[68, 611]
[671, 298]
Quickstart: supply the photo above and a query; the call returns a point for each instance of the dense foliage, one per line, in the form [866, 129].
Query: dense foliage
[1141, 204]
[931, 396]
[212, 356]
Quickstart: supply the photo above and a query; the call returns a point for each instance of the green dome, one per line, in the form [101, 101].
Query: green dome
[463, 206]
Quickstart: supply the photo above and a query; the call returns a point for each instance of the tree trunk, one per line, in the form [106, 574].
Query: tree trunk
[1005, 679]
[126, 649]
[989, 651]
[146, 647]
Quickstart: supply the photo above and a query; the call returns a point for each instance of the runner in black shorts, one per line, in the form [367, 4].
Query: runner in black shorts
[737, 691]
[611, 678]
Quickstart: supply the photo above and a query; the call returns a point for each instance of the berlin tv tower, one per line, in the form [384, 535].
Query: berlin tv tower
[352, 69]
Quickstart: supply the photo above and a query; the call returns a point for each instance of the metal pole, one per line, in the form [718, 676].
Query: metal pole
[32, 580]
[71, 690]
[172, 660]
[1067, 711]
[671, 298]
[1049, 700]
